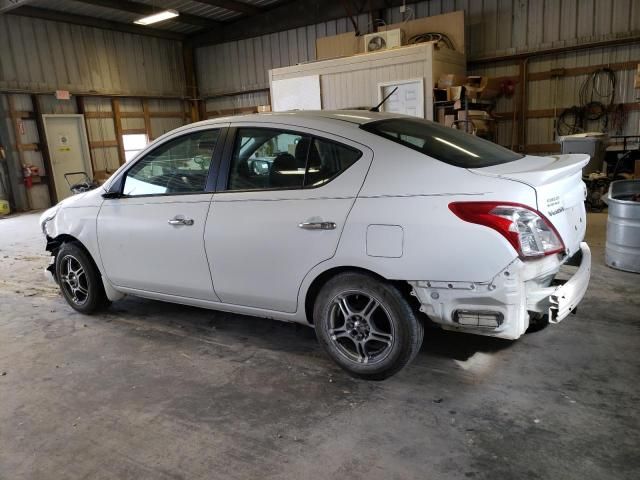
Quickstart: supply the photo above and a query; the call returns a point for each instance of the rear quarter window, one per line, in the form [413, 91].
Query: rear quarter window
[448, 145]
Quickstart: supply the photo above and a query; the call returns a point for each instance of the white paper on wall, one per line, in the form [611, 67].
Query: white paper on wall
[301, 93]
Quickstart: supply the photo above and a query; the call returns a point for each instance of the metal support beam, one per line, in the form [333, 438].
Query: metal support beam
[144, 9]
[117, 123]
[516, 58]
[234, 6]
[46, 157]
[64, 17]
[191, 80]
[8, 5]
[282, 17]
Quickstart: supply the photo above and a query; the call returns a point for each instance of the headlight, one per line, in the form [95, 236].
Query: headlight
[46, 217]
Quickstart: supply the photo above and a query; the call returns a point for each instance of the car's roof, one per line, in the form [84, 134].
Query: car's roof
[357, 117]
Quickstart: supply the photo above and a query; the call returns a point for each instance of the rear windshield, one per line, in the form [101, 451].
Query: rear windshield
[442, 143]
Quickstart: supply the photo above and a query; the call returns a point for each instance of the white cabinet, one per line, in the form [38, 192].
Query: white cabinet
[356, 81]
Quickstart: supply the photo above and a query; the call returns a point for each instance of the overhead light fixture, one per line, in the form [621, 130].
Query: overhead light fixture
[157, 17]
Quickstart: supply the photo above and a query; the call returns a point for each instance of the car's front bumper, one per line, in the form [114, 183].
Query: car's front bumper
[502, 305]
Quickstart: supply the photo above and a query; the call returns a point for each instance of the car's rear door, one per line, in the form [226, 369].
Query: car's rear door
[283, 197]
[151, 237]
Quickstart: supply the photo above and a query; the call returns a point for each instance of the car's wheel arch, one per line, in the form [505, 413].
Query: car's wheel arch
[54, 244]
[322, 277]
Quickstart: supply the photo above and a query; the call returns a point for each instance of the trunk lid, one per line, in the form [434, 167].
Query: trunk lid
[560, 191]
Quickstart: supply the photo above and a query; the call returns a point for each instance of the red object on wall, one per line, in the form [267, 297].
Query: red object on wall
[28, 172]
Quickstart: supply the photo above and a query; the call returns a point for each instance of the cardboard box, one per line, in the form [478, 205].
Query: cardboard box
[447, 94]
[454, 93]
[451, 80]
[336, 46]
[482, 88]
[474, 114]
[448, 120]
[482, 121]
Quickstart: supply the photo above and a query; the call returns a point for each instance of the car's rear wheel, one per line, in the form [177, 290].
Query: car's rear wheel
[366, 325]
[79, 279]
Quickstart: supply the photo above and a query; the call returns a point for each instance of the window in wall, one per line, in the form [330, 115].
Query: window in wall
[133, 144]
[177, 166]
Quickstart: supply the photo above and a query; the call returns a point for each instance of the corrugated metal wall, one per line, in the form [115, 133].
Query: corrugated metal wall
[245, 64]
[163, 115]
[493, 27]
[43, 56]
[559, 93]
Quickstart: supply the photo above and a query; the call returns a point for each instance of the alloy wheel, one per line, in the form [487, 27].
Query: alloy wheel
[361, 327]
[74, 280]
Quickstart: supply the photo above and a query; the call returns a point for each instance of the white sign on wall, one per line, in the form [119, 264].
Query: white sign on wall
[301, 93]
[408, 99]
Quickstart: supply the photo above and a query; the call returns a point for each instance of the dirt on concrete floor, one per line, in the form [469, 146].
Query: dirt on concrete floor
[149, 390]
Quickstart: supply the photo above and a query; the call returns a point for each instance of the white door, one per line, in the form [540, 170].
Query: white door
[408, 99]
[68, 149]
[265, 232]
[151, 238]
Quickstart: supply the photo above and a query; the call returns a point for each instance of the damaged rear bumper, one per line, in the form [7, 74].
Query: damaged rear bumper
[500, 307]
[564, 298]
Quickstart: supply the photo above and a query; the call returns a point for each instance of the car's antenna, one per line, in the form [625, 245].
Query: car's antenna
[377, 107]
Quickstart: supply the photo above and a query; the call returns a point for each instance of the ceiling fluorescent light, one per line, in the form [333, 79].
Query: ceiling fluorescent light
[157, 17]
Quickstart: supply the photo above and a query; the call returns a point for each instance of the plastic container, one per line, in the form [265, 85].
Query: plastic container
[593, 144]
[622, 250]
[4, 207]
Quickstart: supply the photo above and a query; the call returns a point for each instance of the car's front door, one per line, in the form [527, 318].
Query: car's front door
[151, 236]
[279, 211]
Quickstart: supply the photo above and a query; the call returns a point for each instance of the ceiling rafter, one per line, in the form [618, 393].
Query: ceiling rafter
[144, 9]
[234, 6]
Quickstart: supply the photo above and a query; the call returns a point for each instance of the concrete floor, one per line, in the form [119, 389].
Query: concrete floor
[150, 390]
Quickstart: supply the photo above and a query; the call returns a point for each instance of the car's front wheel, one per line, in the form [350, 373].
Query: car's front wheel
[366, 325]
[79, 279]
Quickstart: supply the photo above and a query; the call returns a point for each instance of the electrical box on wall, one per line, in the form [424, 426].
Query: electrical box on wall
[374, 42]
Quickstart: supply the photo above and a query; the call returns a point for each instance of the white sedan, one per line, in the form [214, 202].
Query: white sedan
[363, 225]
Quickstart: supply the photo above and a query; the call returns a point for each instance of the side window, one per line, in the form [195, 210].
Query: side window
[268, 158]
[327, 160]
[178, 166]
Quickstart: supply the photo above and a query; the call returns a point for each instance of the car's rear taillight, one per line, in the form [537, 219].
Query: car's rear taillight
[526, 229]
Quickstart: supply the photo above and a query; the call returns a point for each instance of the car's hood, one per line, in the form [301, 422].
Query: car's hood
[92, 197]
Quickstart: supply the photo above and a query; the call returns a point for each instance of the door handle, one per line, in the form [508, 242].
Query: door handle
[318, 225]
[180, 221]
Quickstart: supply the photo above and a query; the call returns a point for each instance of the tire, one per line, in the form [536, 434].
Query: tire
[366, 325]
[79, 279]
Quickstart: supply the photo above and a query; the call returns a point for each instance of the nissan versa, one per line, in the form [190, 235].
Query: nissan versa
[364, 225]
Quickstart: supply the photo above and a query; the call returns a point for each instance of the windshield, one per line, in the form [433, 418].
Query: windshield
[442, 143]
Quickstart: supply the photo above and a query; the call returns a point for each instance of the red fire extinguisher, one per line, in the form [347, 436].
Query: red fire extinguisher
[28, 172]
